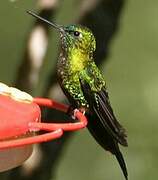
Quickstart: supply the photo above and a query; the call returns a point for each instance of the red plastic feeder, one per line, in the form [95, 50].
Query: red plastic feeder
[20, 119]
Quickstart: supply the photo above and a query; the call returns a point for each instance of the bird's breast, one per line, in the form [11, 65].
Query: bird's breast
[77, 60]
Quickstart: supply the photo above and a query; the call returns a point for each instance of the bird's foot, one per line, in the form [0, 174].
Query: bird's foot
[72, 112]
[73, 116]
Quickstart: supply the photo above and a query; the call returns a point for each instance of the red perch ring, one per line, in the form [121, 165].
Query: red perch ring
[20, 119]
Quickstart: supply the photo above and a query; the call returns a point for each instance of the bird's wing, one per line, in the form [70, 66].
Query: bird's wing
[99, 103]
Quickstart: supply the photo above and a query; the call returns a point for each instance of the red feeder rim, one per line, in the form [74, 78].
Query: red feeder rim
[20, 120]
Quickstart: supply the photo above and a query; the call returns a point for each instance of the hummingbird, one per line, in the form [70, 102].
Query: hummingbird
[85, 87]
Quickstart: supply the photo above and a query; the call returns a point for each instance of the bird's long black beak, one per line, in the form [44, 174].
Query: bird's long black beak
[59, 27]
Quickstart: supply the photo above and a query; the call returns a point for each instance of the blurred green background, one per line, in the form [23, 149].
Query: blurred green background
[132, 78]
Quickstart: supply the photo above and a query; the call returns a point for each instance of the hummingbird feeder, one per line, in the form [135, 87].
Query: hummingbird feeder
[20, 121]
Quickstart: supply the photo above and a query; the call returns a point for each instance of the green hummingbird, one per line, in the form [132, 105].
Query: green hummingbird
[85, 87]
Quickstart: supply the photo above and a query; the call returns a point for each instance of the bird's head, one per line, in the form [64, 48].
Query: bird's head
[78, 37]
[73, 36]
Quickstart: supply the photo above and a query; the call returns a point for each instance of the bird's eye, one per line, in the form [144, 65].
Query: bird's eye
[76, 33]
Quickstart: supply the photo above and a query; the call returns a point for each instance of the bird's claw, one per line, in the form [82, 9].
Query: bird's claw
[77, 110]
[74, 113]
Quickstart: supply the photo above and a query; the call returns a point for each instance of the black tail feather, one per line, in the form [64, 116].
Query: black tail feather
[106, 141]
[122, 163]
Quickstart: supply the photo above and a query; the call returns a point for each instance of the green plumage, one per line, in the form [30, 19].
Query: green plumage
[76, 62]
[85, 88]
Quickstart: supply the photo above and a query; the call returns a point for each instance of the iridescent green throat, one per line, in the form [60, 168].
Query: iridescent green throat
[77, 51]
[78, 60]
